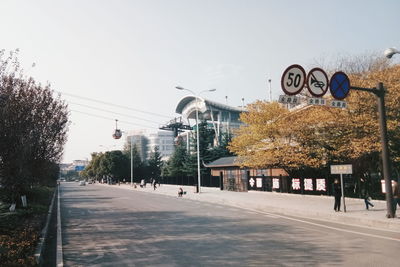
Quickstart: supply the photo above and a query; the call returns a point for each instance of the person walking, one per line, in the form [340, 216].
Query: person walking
[155, 184]
[396, 195]
[180, 192]
[365, 193]
[337, 193]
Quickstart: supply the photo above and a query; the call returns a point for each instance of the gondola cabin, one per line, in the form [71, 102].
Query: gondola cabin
[117, 134]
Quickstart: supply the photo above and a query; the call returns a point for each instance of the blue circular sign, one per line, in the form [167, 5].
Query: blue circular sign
[339, 85]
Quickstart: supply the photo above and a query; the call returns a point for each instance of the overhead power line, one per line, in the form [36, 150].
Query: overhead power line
[111, 104]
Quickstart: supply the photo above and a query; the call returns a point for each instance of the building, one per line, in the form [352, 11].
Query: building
[234, 177]
[146, 143]
[139, 140]
[223, 118]
[164, 140]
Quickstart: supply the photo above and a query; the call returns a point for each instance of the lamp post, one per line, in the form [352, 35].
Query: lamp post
[131, 160]
[197, 131]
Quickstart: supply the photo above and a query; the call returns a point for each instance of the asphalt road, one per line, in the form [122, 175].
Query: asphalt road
[109, 226]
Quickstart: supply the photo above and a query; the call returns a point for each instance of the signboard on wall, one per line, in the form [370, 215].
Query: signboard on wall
[259, 182]
[296, 184]
[308, 184]
[321, 185]
[275, 183]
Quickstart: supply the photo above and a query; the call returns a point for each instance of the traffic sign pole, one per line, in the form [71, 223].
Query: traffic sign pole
[342, 188]
[379, 91]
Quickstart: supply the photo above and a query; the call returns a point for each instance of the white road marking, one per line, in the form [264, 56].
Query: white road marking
[328, 227]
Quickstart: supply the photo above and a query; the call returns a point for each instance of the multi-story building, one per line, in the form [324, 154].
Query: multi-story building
[164, 140]
[140, 141]
[221, 117]
[146, 143]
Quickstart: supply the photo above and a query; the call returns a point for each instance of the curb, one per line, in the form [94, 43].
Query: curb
[44, 233]
[59, 256]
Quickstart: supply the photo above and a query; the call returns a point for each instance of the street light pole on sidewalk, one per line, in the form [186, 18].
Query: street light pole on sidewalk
[197, 131]
[131, 160]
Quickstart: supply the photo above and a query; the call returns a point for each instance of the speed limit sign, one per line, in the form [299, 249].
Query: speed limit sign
[293, 79]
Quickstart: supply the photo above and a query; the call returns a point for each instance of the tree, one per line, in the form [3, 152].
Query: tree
[316, 136]
[176, 164]
[155, 163]
[115, 164]
[219, 151]
[33, 128]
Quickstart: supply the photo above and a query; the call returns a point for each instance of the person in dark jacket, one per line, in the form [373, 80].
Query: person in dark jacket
[365, 193]
[337, 193]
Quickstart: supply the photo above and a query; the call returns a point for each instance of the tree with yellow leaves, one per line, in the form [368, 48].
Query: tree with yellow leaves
[313, 137]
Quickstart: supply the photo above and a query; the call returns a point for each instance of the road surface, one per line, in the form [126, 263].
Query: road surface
[110, 226]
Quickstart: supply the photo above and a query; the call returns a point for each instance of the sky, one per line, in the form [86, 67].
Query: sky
[123, 59]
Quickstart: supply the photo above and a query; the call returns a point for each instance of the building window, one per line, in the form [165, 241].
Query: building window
[231, 174]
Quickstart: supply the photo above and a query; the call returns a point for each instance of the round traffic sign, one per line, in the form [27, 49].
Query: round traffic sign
[293, 79]
[339, 85]
[317, 82]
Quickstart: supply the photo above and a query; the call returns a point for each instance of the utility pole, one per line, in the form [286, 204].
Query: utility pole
[379, 91]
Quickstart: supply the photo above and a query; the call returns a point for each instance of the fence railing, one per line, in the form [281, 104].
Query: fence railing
[206, 180]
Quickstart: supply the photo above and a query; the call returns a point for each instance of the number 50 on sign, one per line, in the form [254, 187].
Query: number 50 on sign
[293, 79]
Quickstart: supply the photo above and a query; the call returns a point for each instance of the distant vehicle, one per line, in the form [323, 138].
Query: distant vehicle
[76, 180]
[90, 182]
[82, 183]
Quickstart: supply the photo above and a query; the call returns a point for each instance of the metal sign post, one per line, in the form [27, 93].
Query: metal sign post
[342, 169]
[342, 187]
[293, 81]
[380, 93]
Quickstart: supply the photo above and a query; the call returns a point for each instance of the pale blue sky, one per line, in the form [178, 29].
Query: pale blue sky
[134, 53]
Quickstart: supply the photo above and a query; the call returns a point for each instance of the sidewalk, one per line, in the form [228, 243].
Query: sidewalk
[306, 206]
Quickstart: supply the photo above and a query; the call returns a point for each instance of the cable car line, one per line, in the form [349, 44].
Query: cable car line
[109, 111]
[113, 119]
[111, 104]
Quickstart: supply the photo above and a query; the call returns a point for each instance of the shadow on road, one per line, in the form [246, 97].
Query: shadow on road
[177, 238]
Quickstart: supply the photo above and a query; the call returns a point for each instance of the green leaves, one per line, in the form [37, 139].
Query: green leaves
[33, 129]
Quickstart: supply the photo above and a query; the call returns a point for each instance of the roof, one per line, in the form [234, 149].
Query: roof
[224, 162]
[218, 106]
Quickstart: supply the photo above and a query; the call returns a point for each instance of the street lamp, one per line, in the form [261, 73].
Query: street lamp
[131, 160]
[197, 131]
[390, 52]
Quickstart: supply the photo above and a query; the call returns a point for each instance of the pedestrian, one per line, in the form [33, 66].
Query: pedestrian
[337, 193]
[396, 195]
[365, 193]
[142, 183]
[180, 192]
[154, 184]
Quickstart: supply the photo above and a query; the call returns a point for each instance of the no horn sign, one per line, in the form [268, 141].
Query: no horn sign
[294, 79]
